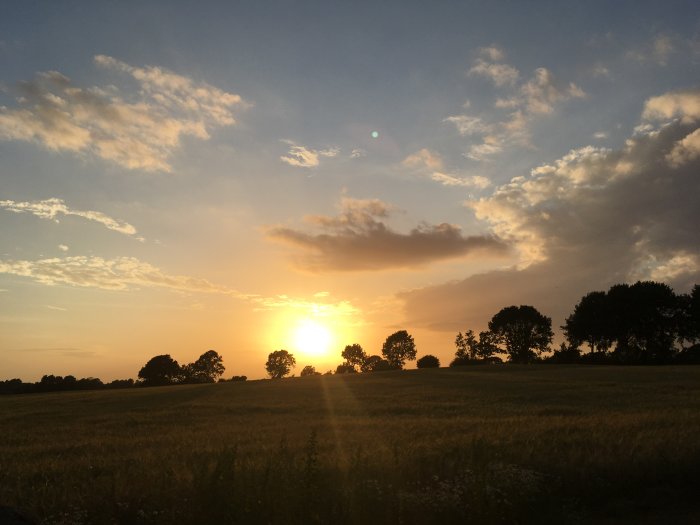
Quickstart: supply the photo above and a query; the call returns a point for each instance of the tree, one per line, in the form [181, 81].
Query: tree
[206, 369]
[160, 370]
[309, 370]
[375, 363]
[428, 361]
[399, 348]
[469, 348]
[590, 323]
[279, 364]
[354, 356]
[345, 368]
[523, 331]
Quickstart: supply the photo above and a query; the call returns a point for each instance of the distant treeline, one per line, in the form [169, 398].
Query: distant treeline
[159, 370]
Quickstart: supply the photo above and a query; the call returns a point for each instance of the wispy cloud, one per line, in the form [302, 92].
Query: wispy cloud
[303, 157]
[135, 129]
[658, 51]
[358, 239]
[524, 100]
[429, 163]
[52, 208]
[129, 273]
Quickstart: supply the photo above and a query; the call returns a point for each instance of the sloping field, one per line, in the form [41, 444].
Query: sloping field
[488, 444]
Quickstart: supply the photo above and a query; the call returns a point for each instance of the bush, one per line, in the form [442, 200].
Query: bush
[428, 361]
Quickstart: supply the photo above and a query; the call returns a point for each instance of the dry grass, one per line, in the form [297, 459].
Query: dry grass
[484, 445]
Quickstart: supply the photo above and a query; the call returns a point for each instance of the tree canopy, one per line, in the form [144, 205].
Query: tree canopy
[206, 369]
[354, 356]
[522, 331]
[279, 364]
[399, 348]
[160, 370]
[428, 361]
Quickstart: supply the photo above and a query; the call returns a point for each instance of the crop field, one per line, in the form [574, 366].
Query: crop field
[482, 444]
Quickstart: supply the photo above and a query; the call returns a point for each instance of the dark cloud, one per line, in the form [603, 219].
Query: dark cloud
[358, 240]
[589, 220]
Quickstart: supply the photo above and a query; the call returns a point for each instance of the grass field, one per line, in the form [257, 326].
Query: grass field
[489, 444]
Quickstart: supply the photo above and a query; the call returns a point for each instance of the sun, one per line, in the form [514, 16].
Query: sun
[312, 338]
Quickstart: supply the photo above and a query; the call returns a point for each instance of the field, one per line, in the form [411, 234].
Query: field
[488, 444]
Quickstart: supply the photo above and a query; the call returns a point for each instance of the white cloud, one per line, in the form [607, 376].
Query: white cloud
[51, 208]
[431, 164]
[681, 104]
[492, 53]
[473, 181]
[467, 125]
[135, 130]
[500, 74]
[423, 158]
[358, 153]
[542, 92]
[63, 247]
[303, 157]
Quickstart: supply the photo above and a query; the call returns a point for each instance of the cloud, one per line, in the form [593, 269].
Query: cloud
[51, 208]
[468, 125]
[680, 104]
[358, 239]
[129, 273]
[137, 130]
[63, 247]
[500, 74]
[492, 53]
[473, 181]
[121, 273]
[525, 101]
[303, 157]
[658, 51]
[423, 158]
[592, 218]
[430, 162]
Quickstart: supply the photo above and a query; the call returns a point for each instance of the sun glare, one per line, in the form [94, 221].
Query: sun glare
[312, 338]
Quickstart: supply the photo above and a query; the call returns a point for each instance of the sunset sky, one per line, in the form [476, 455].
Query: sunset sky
[250, 176]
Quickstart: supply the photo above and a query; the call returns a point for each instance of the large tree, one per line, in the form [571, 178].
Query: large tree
[206, 369]
[399, 348]
[160, 370]
[354, 356]
[279, 364]
[375, 363]
[522, 331]
[590, 323]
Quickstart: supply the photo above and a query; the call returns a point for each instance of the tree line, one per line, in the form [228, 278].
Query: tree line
[642, 323]
[158, 371]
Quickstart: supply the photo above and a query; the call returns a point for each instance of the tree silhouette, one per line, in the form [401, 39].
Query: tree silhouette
[206, 369]
[428, 361]
[399, 348]
[354, 356]
[279, 364]
[309, 370]
[160, 370]
[470, 349]
[523, 331]
[345, 368]
[590, 323]
[375, 363]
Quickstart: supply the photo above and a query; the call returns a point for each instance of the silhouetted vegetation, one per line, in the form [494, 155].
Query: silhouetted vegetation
[279, 364]
[375, 363]
[345, 368]
[354, 356]
[428, 361]
[309, 370]
[399, 348]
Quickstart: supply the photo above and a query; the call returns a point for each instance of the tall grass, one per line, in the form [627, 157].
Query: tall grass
[533, 444]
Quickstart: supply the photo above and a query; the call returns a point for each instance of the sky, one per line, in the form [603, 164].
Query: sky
[255, 176]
